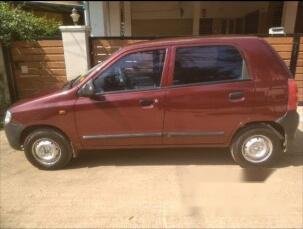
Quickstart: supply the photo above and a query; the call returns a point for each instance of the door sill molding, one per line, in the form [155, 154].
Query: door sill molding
[155, 134]
[130, 135]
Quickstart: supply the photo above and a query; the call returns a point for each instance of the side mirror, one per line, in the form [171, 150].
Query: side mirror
[87, 90]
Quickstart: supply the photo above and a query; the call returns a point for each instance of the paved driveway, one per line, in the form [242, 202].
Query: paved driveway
[150, 188]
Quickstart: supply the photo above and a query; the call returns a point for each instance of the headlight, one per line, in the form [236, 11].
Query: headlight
[8, 117]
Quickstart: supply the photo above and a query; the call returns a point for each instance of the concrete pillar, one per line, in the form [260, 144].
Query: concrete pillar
[289, 16]
[86, 13]
[76, 49]
[196, 18]
[114, 18]
[127, 19]
[98, 15]
[105, 18]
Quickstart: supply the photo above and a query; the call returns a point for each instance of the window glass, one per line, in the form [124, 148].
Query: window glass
[208, 63]
[141, 70]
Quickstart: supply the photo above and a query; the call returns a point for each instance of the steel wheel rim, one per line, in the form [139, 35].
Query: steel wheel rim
[257, 148]
[46, 151]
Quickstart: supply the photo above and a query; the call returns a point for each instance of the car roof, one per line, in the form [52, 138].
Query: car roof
[187, 40]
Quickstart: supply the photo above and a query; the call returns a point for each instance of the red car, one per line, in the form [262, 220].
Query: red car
[189, 92]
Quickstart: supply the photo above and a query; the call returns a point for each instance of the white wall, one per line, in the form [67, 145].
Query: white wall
[76, 50]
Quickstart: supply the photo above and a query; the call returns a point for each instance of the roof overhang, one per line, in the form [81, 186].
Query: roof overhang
[58, 6]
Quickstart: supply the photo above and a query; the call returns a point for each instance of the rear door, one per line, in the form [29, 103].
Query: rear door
[209, 95]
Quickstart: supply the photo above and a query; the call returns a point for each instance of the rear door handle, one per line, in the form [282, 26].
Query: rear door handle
[236, 96]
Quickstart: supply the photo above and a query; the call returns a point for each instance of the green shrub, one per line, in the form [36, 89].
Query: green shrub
[17, 24]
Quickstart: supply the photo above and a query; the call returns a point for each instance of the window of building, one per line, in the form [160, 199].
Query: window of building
[207, 64]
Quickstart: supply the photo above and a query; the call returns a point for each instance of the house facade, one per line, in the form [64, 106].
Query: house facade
[173, 18]
[186, 18]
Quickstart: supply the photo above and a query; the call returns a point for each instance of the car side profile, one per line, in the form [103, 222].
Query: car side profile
[231, 92]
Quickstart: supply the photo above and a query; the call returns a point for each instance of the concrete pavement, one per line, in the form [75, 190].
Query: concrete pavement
[151, 189]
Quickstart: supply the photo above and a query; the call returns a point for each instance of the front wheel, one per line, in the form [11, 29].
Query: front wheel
[47, 149]
[256, 146]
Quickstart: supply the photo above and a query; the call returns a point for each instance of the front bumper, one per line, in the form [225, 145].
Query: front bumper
[289, 122]
[13, 133]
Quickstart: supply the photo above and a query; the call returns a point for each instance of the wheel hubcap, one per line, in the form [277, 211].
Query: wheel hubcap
[46, 151]
[257, 148]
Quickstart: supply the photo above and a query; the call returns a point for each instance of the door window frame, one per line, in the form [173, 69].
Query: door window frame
[132, 51]
[170, 76]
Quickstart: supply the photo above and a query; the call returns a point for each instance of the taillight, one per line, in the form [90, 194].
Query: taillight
[292, 95]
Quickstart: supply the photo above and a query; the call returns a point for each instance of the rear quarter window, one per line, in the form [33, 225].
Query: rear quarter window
[208, 64]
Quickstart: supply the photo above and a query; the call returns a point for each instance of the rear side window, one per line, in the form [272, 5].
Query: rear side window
[207, 64]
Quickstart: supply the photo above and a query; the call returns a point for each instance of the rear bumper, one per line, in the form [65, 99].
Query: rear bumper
[289, 122]
[13, 133]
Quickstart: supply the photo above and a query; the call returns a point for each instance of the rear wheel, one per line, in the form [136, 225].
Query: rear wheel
[47, 149]
[256, 146]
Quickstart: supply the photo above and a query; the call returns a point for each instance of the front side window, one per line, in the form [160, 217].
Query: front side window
[140, 70]
[207, 64]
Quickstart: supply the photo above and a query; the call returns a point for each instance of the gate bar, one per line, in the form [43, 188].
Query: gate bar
[294, 54]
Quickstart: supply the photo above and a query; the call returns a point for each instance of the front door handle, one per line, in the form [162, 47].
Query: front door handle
[148, 102]
[236, 96]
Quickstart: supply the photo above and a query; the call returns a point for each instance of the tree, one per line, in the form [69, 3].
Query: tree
[17, 24]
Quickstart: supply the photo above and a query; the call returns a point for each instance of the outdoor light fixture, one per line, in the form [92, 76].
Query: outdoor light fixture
[75, 16]
[276, 31]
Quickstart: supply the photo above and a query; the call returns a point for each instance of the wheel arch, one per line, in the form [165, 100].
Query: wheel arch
[32, 128]
[276, 127]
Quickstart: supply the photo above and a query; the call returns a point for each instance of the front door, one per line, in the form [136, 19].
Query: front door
[210, 94]
[127, 108]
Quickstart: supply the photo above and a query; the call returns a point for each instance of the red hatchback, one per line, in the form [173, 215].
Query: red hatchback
[217, 92]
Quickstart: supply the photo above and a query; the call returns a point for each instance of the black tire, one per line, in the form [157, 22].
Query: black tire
[65, 149]
[243, 135]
